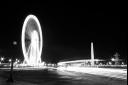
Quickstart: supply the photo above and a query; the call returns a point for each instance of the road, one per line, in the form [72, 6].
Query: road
[57, 77]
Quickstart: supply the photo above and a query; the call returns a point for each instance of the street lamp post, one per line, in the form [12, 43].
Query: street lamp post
[2, 59]
[11, 71]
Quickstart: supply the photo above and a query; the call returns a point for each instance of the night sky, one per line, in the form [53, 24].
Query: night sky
[67, 30]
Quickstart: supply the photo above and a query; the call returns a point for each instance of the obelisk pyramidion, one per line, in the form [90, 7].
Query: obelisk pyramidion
[92, 54]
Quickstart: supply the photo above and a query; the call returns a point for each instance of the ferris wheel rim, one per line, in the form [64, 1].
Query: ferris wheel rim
[23, 34]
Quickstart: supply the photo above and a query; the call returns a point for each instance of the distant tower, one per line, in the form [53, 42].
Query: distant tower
[92, 54]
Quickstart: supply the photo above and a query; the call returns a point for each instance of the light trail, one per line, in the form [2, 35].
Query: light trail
[117, 73]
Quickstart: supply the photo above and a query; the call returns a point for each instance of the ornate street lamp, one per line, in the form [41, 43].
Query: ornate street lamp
[10, 79]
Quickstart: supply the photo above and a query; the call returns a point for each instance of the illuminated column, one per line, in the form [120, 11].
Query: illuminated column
[92, 54]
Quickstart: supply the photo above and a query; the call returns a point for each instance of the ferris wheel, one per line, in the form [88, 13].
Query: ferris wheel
[32, 40]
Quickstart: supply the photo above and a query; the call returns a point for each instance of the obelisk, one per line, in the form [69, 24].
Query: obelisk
[92, 54]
